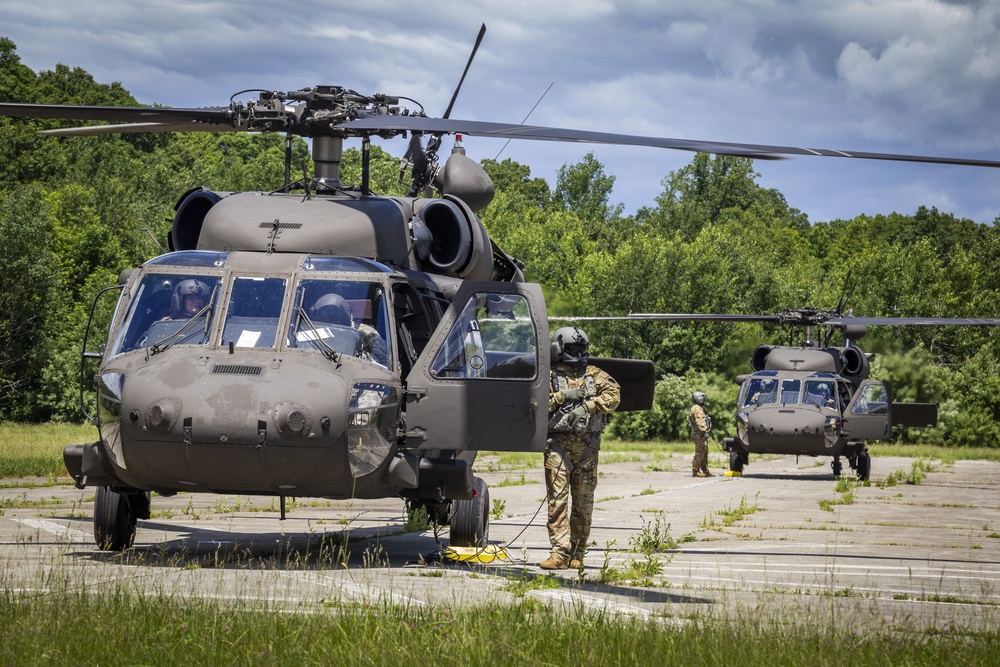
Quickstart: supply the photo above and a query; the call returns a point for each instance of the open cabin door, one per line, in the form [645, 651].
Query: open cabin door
[867, 416]
[482, 381]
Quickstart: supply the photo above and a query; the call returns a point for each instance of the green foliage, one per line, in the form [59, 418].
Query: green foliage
[73, 210]
[667, 420]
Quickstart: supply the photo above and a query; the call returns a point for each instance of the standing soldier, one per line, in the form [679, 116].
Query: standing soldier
[701, 424]
[580, 398]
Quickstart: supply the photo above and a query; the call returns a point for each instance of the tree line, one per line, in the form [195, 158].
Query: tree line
[74, 212]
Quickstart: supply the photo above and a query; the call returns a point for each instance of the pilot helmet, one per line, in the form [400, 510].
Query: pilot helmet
[332, 309]
[766, 386]
[183, 290]
[570, 345]
[698, 398]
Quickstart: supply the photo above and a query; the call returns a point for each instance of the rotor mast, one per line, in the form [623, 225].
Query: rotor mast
[328, 153]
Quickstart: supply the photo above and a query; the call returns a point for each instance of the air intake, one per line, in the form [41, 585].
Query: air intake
[234, 369]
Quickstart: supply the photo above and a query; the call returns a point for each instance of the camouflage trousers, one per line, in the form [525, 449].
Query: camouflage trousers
[700, 461]
[570, 481]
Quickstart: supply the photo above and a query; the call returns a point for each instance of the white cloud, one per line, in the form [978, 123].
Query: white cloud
[920, 76]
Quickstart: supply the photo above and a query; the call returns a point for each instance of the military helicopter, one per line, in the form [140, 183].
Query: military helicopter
[816, 399]
[320, 340]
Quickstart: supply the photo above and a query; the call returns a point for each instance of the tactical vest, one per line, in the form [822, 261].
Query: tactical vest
[694, 425]
[561, 421]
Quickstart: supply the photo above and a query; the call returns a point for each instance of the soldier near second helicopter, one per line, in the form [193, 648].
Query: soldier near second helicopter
[701, 425]
[581, 396]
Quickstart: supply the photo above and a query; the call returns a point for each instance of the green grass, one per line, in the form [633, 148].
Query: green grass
[946, 455]
[35, 450]
[120, 628]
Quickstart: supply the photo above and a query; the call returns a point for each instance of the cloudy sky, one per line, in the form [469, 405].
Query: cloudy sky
[900, 76]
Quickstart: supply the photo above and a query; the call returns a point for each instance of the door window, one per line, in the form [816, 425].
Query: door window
[493, 337]
[873, 400]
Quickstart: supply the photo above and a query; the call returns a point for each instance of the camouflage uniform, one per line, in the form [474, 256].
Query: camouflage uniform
[698, 419]
[373, 347]
[571, 457]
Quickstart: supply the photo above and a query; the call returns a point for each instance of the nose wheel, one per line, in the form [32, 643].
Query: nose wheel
[115, 517]
[864, 465]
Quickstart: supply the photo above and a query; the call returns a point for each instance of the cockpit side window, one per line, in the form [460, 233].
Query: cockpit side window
[163, 305]
[493, 337]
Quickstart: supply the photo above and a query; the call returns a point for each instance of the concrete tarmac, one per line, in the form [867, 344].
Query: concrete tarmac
[783, 543]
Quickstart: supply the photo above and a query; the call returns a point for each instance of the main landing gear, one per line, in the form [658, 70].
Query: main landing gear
[469, 519]
[858, 457]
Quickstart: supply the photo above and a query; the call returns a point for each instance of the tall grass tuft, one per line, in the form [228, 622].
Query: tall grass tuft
[120, 628]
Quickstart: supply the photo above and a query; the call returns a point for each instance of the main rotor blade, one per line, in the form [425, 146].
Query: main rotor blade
[112, 114]
[537, 133]
[833, 321]
[913, 321]
[676, 317]
[510, 131]
[138, 128]
[479, 40]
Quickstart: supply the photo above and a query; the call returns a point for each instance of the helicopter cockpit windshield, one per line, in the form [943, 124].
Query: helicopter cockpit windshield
[165, 307]
[344, 316]
[821, 393]
[790, 391]
[761, 390]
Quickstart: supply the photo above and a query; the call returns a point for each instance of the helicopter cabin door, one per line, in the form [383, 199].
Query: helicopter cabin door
[868, 416]
[482, 381]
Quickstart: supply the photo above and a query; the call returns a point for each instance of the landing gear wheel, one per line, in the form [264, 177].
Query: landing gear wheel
[864, 465]
[114, 520]
[735, 462]
[470, 523]
[837, 466]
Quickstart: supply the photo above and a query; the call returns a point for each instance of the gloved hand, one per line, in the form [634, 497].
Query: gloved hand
[571, 395]
[578, 412]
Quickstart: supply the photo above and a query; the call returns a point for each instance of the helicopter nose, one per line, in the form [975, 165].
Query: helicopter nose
[786, 431]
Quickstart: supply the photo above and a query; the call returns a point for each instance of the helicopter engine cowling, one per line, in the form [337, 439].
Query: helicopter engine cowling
[191, 209]
[855, 362]
[758, 361]
[457, 243]
[462, 177]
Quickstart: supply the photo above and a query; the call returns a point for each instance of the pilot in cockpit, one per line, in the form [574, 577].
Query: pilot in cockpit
[332, 308]
[766, 392]
[821, 396]
[189, 297]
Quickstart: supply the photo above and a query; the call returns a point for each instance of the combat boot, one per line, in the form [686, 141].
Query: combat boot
[554, 562]
[576, 563]
[709, 473]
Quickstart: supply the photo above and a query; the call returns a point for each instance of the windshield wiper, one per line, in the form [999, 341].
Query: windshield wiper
[327, 351]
